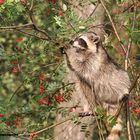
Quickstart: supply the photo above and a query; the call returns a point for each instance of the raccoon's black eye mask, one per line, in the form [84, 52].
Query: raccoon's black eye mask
[82, 43]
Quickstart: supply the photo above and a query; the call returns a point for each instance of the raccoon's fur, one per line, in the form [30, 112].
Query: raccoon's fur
[101, 80]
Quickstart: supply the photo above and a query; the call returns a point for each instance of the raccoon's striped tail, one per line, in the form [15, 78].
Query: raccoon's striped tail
[115, 131]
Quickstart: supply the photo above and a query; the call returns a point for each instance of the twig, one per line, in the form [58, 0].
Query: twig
[133, 129]
[16, 91]
[32, 3]
[93, 10]
[127, 8]
[62, 88]
[93, 106]
[128, 121]
[16, 27]
[51, 126]
[29, 34]
[134, 83]
[130, 40]
[29, 11]
[64, 129]
[113, 25]
[126, 67]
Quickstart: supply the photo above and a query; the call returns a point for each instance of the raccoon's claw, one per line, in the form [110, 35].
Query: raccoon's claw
[124, 98]
[66, 47]
[83, 114]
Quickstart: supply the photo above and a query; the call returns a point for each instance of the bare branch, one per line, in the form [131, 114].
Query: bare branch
[30, 14]
[130, 40]
[113, 25]
[54, 125]
[17, 27]
[29, 34]
[32, 3]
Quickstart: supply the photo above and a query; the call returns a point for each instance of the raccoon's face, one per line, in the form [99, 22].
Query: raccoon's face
[88, 42]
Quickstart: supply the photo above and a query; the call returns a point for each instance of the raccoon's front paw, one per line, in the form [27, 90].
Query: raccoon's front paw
[83, 114]
[123, 98]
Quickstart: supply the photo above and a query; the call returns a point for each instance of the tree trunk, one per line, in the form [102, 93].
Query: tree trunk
[70, 130]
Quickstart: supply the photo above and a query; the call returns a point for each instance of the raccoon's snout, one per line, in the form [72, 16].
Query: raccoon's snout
[62, 50]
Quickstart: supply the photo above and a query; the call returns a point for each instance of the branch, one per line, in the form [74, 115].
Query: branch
[29, 34]
[17, 27]
[29, 11]
[113, 25]
[56, 124]
[32, 4]
[130, 40]
[16, 91]
[128, 121]
[133, 129]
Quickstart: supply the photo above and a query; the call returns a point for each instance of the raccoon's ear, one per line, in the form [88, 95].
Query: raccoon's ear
[95, 39]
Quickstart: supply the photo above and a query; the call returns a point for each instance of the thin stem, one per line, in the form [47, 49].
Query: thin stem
[16, 91]
[128, 122]
[29, 34]
[113, 25]
[54, 125]
[133, 129]
[16, 27]
[130, 40]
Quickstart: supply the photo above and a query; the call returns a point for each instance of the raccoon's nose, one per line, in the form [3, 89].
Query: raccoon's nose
[62, 50]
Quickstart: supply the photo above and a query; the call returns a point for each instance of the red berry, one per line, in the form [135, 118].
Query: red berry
[20, 39]
[14, 70]
[53, 1]
[13, 62]
[137, 110]
[18, 49]
[8, 123]
[138, 4]
[18, 120]
[2, 115]
[42, 89]
[33, 136]
[42, 76]
[48, 12]
[128, 4]
[59, 98]
[2, 2]
[60, 13]
[130, 102]
[23, 2]
[43, 101]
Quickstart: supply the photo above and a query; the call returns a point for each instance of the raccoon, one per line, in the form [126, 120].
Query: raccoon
[102, 81]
